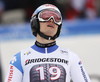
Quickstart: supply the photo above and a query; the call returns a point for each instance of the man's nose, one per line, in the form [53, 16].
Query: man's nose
[51, 20]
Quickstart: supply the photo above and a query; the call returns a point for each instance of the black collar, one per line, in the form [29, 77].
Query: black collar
[45, 45]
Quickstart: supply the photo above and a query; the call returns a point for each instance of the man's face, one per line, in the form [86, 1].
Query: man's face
[48, 28]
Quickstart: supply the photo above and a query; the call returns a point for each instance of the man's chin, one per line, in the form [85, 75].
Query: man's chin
[50, 34]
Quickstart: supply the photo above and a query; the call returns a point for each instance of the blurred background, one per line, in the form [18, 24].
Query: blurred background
[80, 31]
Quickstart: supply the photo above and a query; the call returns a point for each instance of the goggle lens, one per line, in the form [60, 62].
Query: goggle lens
[46, 15]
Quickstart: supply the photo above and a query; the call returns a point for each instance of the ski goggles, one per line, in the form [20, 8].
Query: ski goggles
[46, 15]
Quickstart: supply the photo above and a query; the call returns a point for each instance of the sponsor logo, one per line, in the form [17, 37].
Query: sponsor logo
[63, 52]
[10, 74]
[80, 63]
[59, 60]
[84, 75]
[27, 53]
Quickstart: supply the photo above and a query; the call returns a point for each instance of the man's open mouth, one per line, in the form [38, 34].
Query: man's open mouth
[50, 25]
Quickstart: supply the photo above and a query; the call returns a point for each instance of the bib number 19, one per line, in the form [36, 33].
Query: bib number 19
[54, 72]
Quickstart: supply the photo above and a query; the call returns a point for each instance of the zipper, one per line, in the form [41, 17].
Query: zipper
[46, 50]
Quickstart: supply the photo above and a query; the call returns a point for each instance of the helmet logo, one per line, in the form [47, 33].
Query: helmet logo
[49, 5]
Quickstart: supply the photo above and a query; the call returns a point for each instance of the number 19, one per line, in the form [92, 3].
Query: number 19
[52, 70]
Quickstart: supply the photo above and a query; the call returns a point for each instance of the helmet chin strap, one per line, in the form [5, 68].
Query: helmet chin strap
[46, 36]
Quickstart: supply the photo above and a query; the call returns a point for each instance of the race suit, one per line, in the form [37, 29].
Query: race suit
[51, 64]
